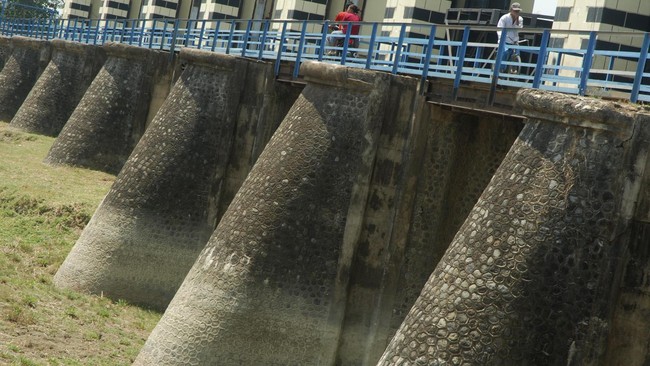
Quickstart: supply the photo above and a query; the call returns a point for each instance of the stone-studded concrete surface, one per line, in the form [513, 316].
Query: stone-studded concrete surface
[269, 287]
[460, 156]
[110, 118]
[160, 212]
[58, 90]
[527, 279]
[21, 70]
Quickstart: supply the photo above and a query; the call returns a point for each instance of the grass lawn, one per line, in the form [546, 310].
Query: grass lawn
[42, 212]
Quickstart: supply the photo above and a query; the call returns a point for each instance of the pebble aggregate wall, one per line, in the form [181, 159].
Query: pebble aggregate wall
[269, 288]
[450, 160]
[5, 50]
[161, 210]
[28, 59]
[122, 91]
[528, 278]
[60, 88]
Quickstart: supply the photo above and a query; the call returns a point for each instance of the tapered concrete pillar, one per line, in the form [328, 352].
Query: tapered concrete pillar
[21, 70]
[59, 89]
[110, 118]
[5, 50]
[161, 210]
[527, 279]
[270, 286]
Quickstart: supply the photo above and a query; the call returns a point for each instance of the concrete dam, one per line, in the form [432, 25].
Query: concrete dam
[346, 217]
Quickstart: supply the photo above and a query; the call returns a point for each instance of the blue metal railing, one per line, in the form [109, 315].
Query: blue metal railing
[548, 61]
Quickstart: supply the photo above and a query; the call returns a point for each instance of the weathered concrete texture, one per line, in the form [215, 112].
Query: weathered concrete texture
[148, 231]
[527, 279]
[450, 159]
[261, 110]
[269, 288]
[5, 50]
[60, 88]
[364, 335]
[629, 337]
[110, 118]
[27, 60]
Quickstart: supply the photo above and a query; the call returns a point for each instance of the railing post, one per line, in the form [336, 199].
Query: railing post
[640, 68]
[497, 66]
[187, 32]
[142, 28]
[67, 30]
[202, 32]
[249, 25]
[371, 46]
[153, 33]
[214, 36]
[427, 57]
[398, 51]
[323, 40]
[230, 36]
[172, 47]
[541, 59]
[132, 32]
[263, 41]
[610, 67]
[164, 35]
[346, 43]
[278, 59]
[586, 63]
[460, 63]
[301, 44]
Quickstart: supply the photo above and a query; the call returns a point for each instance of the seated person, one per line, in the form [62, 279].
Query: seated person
[351, 14]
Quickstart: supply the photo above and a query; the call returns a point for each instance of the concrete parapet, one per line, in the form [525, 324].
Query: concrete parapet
[60, 88]
[111, 117]
[528, 278]
[28, 59]
[270, 286]
[161, 211]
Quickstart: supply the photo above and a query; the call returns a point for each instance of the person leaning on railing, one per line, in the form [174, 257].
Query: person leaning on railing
[510, 20]
[340, 28]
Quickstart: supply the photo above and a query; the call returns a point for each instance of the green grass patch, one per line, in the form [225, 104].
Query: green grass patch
[43, 210]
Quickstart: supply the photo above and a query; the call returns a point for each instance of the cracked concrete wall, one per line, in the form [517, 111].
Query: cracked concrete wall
[528, 277]
[111, 117]
[28, 59]
[60, 87]
[270, 286]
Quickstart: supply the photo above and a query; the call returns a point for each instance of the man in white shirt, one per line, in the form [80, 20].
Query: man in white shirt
[510, 20]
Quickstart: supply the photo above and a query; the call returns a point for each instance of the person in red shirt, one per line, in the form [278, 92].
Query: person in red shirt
[351, 14]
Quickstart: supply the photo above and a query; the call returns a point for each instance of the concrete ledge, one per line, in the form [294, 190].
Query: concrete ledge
[26, 42]
[126, 51]
[578, 111]
[73, 47]
[337, 75]
[206, 58]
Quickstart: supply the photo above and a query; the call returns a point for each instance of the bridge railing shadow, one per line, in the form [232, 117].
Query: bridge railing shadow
[606, 64]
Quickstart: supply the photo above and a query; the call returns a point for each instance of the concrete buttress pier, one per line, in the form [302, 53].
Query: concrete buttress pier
[529, 277]
[28, 59]
[59, 88]
[270, 286]
[161, 210]
[111, 117]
